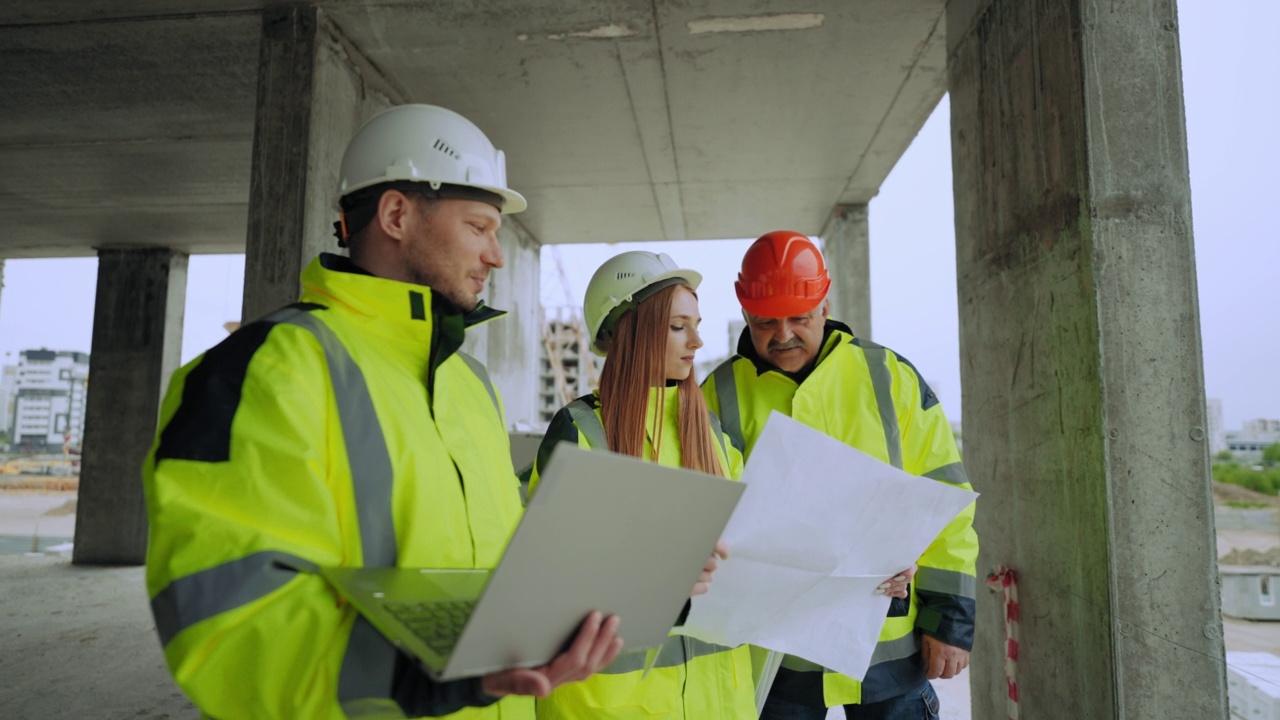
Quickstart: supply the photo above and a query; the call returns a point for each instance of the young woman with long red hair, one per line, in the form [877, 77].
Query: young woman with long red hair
[642, 316]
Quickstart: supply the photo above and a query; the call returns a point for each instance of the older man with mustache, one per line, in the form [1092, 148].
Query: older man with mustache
[794, 359]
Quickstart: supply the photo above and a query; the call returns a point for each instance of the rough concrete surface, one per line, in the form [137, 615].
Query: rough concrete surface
[1083, 384]
[137, 345]
[79, 642]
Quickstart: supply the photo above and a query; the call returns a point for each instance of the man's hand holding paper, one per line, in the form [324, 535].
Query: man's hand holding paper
[820, 527]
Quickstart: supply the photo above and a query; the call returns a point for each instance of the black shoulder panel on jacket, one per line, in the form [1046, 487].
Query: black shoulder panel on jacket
[200, 429]
[560, 430]
[927, 397]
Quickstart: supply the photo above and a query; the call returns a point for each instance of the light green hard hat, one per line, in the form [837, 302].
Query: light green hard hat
[621, 283]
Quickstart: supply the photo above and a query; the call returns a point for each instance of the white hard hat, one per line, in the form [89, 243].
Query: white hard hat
[620, 284]
[428, 144]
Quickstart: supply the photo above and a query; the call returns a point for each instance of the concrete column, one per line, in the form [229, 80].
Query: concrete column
[137, 345]
[847, 249]
[509, 345]
[315, 89]
[1084, 408]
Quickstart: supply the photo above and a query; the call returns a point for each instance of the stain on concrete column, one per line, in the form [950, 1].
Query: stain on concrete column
[137, 345]
[315, 89]
[847, 248]
[1080, 356]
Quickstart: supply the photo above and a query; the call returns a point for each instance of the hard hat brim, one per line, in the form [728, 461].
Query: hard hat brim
[692, 278]
[512, 201]
[779, 306]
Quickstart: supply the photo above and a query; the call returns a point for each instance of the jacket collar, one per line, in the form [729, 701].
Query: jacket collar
[834, 333]
[414, 321]
[479, 316]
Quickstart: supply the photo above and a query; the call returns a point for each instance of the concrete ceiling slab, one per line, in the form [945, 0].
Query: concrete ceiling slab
[623, 120]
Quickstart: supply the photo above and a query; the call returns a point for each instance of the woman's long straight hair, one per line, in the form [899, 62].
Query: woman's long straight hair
[636, 363]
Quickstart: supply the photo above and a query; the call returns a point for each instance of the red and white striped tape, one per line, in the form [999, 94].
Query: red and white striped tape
[1004, 580]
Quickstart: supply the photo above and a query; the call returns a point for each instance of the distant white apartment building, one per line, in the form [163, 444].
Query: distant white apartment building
[8, 379]
[48, 403]
[1260, 427]
[1253, 438]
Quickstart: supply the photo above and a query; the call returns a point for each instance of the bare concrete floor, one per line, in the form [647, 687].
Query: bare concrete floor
[80, 642]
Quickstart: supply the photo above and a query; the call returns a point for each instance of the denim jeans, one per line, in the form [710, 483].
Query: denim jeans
[918, 704]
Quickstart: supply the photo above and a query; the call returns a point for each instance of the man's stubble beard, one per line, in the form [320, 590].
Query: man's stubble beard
[418, 275]
[464, 304]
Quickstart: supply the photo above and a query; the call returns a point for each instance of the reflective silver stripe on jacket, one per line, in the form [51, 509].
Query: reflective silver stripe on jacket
[369, 663]
[718, 433]
[953, 473]
[201, 595]
[886, 651]
[588, 423]
[882, 383]
[896, 649]
[949, 582]
[676, 651]
[479, 369]
[371, 473]
[727, 396]
[370, 660]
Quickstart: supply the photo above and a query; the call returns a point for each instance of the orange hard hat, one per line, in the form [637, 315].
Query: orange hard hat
[783, 275]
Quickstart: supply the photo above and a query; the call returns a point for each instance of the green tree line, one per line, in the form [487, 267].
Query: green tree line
[1264, 479]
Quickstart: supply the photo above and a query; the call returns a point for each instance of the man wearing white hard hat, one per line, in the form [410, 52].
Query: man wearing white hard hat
[347, 430]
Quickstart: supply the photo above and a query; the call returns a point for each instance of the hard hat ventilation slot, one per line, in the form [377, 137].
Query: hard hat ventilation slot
[625, 275]
[444, 147]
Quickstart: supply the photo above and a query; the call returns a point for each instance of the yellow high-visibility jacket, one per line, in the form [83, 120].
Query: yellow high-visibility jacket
[874, 400]
[345, 430]
[691, 679]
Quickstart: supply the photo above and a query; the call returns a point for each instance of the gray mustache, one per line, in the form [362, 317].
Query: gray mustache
[788, 345]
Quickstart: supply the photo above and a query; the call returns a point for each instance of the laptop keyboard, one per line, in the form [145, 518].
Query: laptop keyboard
[438, 624]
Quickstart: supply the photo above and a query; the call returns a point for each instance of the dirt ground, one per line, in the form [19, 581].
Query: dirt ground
[1224, 493]
[80, 641]
[1229, 540]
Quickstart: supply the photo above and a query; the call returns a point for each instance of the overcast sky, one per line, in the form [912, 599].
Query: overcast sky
[1230, 67]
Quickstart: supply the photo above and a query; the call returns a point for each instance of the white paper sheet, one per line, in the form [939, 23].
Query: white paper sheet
[819, 527]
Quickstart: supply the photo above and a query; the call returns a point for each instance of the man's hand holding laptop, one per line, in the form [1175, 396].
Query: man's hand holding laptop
[596, 645]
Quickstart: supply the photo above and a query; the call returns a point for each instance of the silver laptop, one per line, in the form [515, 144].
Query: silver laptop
[603, 532]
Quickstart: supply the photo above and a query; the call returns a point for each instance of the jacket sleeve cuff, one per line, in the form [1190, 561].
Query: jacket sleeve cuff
[953, 629]
[420, 696]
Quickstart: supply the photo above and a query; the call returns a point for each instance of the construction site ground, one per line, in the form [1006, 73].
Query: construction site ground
[80, 641]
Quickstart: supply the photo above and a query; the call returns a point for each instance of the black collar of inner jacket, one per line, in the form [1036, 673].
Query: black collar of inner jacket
[748, 350]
